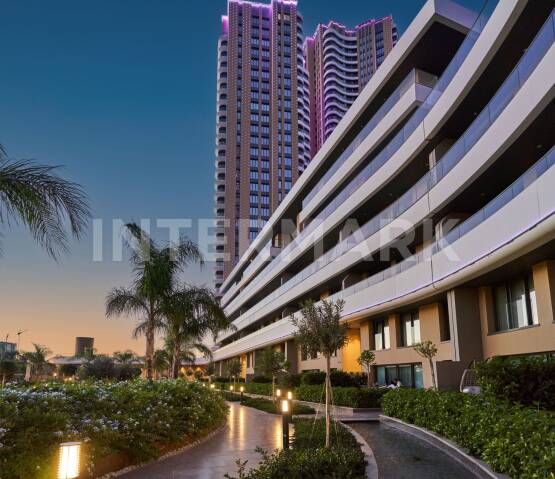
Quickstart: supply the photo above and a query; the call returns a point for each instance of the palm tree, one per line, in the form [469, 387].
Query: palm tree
[156, 269]
[34, 195]
[191, 313]
[319, 330]
[37, 358]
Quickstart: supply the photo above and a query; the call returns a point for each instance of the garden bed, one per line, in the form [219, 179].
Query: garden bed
[273, 408]
[308, 458]
[514, 440]
[118, 423]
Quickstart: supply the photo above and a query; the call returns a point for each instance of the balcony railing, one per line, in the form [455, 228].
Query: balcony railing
[415, 120]
[493, 109]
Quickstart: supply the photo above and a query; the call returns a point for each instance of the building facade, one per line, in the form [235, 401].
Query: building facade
[340, 62]
[429, 210]
[262, 136]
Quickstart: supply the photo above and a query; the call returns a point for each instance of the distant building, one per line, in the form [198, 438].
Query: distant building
[83, 345]
[7, 348]
[262, 137]
[340, 62]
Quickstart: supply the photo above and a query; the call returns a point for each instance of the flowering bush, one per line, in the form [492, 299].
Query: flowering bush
[134, 418]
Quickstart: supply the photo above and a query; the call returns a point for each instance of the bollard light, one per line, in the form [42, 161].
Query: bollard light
[231, 388]
[278, 393]
[285, 422]
[242, 390]
[289, 395]
[68, 466]
[212, 386]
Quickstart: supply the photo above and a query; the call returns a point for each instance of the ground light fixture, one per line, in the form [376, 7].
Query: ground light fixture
[290, 395]
[212, 386]
[242, 390]
[68, 466]
[285, 408]
[231, 388]
[278, 393]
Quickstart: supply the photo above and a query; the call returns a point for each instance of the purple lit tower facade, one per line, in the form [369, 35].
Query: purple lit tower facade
[262, 132]
[340, 62]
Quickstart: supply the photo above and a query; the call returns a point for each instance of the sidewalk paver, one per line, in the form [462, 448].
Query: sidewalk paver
[246, 429]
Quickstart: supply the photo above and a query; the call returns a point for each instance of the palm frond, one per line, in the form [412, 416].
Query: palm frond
[45, 203]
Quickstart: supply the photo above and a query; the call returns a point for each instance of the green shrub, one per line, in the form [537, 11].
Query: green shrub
[271, 407]
[344, 396]
[338, 378]
[529, 380]
[264, 389]
[514, 440]
[308, 459]
[289, 380]
[134, 418]
[261, 379]
[313, 378]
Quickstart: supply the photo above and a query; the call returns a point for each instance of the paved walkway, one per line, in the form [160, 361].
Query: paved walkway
[246, 429]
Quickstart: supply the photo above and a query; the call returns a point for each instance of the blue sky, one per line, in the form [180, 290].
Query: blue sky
[123, 94]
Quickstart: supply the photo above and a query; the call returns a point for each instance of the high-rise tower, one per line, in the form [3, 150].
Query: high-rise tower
[262, 133]
[340, 61]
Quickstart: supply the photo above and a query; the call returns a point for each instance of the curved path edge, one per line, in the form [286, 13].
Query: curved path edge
[479, 468]
[371, 464]
[174, 452]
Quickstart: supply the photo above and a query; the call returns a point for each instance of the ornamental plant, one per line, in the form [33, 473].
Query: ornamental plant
[366, 360]
[319, 330]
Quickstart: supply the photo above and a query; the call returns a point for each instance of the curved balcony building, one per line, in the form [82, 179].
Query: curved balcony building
[429, 210]
[340, 62]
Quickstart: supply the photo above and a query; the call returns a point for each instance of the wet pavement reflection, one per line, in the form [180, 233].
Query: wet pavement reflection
[246, 429]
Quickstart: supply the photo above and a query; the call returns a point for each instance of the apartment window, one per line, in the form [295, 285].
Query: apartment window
[410, 375]
[410, 328]
[381, 335]
[515, 304]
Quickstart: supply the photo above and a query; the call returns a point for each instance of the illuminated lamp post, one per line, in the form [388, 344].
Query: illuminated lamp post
[68, 465]
[285, 408]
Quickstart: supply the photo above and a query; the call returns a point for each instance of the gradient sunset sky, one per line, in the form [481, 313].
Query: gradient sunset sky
[123, 94]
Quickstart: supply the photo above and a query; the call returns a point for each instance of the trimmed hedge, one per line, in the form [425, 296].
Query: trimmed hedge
[529, 381]
[264, 389]
[134, 418]
[270, 406]
[308, 459]
[513, 440]
[349, 397]
[338, 378]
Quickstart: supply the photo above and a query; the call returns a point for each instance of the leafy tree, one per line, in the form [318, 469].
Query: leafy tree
[125, 357]
[189, 315]
[428, 350]
[101, 367]
[234, 369]
[319, 330]
[156, 269]
[210, 370]
[8, 367]
[270, 363]
[161, 361]
[68, 370]
[366, 360]
[34, 195]
[37, 358]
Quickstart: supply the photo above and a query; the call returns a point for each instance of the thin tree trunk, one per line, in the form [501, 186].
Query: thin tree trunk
[150, 346]
[328, 386]
[434, 385]
[176, 360]
[274, 387]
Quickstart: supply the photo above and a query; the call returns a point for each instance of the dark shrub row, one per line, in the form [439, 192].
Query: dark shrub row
[529, 381]
[343, 396]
